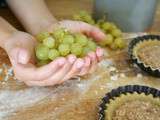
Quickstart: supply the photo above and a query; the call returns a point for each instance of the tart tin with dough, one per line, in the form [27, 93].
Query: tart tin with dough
[124, 94]
[145, 52]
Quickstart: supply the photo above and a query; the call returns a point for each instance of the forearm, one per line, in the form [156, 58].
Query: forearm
[6, 30]
[33, 14]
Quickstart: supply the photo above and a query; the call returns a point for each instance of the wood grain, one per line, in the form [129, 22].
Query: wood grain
[66, 8]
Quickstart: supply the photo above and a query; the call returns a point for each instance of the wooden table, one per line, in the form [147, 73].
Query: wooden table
[74, 100]
[71, 7]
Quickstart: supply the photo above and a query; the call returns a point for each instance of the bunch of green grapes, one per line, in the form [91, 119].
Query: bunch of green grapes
[62, 43]
[114, 37]
[85, 17]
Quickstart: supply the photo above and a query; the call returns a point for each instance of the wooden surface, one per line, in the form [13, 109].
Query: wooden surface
[74, 100]
[66, 8]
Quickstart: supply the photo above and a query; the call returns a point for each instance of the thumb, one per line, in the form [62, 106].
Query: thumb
[19, 55]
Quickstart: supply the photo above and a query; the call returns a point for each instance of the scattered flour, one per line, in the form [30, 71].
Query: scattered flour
[106, 63]
[10, 101]
[114, 77]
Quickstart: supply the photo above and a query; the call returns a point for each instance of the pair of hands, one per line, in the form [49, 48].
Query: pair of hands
[20, 48]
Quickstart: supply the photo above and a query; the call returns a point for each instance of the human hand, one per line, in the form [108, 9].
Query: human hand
[20, 48]
[92, 58]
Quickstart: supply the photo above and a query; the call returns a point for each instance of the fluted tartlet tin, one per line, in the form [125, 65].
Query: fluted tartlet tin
[135, 59]
[123, 90]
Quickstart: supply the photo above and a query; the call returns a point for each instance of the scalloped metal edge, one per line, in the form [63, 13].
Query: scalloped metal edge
[146, 68]
[124, 90]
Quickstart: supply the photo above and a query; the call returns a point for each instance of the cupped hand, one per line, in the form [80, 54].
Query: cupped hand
[92, 58]
[20, 48]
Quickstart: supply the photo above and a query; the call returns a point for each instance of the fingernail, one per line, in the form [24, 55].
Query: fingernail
[22, 57]
[99, 52]
[92, 55]
[87, 61]
[61, 61]
[72, 59]
[80, 63]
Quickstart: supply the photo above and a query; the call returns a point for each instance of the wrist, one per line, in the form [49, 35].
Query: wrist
[6, 30]
[43, 26]
[53, 26]
[5, 36]
[8, 39]
[50, 26]
[19, 39]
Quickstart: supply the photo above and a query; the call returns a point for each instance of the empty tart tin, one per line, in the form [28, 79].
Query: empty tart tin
[132, 102]
[145, 52]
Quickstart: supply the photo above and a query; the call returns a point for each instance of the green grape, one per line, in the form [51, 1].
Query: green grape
[85, 17]
[106, 26]
[68, 39]
[83, 14]
[49, 42]
[113, 46]
[64, 49]
[107, 41]
[42, 62]
[41, 36]
[120, 43]
[42, 52]
[98, 26]
[76, 49]
[91, 45]
[53, 54]
[100, 23]
[113, 26]
[88, 19]
[77, 17]
[59, 34]
[85, 51]
[116, 33]
[81, 39]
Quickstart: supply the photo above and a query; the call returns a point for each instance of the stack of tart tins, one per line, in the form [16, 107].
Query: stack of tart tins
[145, 52]
[132, 102]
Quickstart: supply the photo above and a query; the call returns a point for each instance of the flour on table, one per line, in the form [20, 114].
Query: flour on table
[13, 100]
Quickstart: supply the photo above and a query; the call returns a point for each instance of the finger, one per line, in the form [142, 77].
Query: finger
[99, 54]
[86, 67]
[54, 79]
[82, 27]
[59, 75]
[76, 68]
[71, 58]
[51, 68]
[93, 32]
[30, 72]
[93, 58]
